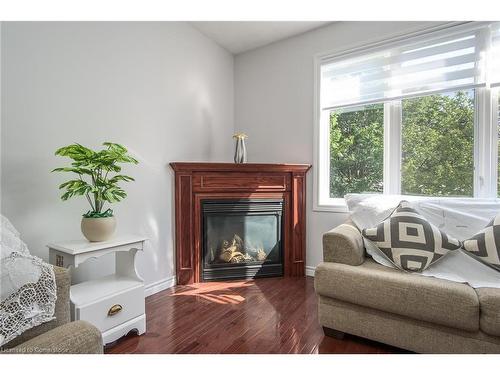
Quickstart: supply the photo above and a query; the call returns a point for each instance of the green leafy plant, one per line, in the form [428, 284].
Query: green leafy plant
[95, 182]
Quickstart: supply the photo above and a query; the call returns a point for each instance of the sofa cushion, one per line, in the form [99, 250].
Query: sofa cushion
[425, 298]
[489, 306]
[409, 240]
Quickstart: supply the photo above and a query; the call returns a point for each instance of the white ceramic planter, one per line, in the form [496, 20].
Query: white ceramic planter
[98, 229]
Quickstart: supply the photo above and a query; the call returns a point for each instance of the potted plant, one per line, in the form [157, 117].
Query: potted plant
[96, 182]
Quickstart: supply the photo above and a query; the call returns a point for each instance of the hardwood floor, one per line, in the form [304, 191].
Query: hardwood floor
[276, 315]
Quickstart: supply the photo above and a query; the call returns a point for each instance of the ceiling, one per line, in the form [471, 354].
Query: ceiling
[241, 36]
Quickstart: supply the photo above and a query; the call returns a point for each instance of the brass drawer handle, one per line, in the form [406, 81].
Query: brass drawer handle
[115, 309]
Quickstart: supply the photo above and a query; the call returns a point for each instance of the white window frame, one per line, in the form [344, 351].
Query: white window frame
[485, 140]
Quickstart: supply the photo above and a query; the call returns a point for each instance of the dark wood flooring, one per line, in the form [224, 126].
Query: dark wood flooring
[276, 315]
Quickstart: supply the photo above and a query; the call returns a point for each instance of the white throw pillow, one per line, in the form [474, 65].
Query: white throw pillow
[367, 210]
[459, 217]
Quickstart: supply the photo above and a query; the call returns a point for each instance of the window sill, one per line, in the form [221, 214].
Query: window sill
[336, 205]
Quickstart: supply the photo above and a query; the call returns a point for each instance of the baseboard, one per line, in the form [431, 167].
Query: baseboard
[159, 285]
[310, 271]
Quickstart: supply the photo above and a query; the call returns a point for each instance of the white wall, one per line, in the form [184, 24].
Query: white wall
[163, 90]
[274, 102]
[166, 92]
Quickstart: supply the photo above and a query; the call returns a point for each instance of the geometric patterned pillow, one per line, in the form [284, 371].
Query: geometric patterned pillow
[409, 241]
[485, 245]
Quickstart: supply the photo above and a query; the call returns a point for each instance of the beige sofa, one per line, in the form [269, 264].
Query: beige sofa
[58, 335]
[413, 312]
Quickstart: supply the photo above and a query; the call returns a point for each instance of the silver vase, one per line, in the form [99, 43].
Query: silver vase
[240, 153]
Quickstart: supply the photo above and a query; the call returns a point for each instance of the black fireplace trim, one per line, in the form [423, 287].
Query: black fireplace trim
[249, 206]
[239, 205]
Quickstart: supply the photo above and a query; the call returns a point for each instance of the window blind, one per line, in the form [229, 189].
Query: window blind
[432, 64]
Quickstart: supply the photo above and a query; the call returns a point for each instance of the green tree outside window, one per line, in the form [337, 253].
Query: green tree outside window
[437, 147]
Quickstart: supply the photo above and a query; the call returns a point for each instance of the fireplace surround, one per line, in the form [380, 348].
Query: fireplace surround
[253, 196]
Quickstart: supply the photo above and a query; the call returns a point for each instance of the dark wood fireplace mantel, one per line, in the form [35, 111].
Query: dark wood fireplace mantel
[195, 182]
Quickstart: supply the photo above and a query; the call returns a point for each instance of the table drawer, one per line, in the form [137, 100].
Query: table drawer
[114, 310]
[235, 181]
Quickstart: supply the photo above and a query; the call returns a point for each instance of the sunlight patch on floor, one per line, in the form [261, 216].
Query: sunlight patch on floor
[221, 293]
[223, 299]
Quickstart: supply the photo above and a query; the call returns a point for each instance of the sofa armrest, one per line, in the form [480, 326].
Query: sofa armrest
[344, 244]
[62, 313]
[63, 282]
[78, 337]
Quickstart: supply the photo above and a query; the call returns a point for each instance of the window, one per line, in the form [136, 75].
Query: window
[356, 150]
[414, 117]
[438, 145]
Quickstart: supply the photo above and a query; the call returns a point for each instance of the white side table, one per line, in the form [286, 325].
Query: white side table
[115, 304]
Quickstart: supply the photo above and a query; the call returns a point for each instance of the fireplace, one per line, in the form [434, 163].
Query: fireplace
[242, 238]
[229, 202]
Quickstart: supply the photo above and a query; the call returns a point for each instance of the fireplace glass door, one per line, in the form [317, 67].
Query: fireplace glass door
[242, 238]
